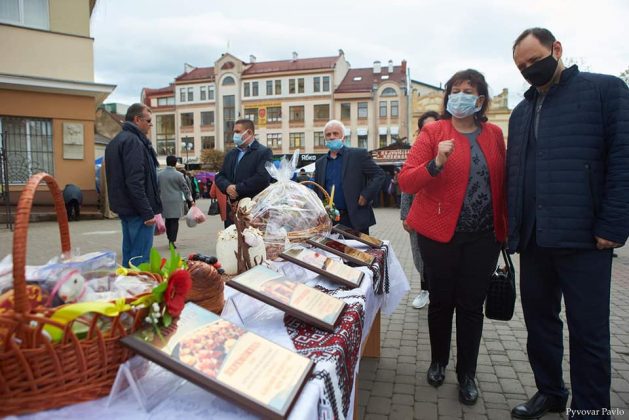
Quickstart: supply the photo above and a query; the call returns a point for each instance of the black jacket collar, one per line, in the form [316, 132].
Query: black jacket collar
[565, 77]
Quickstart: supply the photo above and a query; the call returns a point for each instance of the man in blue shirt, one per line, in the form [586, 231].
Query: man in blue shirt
[354, 175]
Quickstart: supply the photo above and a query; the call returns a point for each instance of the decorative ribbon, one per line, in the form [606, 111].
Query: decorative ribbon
[69, 313]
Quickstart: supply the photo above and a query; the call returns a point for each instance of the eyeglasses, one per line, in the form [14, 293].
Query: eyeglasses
[148, 121]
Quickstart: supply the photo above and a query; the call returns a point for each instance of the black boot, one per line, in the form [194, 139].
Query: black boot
[436, 374]
[539, 405]
[468, 392]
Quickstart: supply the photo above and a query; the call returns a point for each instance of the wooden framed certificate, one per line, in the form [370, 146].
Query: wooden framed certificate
[305, 303]
[327, 267]
[227, 360]
[359, 236]
[344, 251]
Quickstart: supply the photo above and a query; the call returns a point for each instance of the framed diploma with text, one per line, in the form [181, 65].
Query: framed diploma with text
[346, 252]
[359, 236]
[327, 267]
[303, 302]
[227, 360]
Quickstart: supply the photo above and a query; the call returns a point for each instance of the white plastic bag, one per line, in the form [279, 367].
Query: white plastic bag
[288, 209]
[195, 216]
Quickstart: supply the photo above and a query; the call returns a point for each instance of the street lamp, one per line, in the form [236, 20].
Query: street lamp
[188, 146]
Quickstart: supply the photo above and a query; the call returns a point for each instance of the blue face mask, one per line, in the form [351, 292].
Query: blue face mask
[334, 145]
[238, 139]
[462, 105]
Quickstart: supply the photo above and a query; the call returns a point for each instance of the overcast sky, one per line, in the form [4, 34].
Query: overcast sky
[145, 43]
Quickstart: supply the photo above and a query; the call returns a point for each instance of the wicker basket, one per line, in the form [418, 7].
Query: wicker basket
[36, 374]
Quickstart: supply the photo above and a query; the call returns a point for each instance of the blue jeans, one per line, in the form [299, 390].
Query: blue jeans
[137, 240]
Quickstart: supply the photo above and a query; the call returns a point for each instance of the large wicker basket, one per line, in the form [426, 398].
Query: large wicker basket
[36, 374]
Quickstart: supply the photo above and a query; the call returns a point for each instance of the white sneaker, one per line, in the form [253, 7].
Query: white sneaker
[421, 300]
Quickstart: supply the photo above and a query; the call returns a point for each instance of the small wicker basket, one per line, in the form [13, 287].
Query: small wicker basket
[35, 373]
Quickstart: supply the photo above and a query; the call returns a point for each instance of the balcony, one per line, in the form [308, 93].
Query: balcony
[39, 53]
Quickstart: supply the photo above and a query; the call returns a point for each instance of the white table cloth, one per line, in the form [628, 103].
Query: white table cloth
[191, 402]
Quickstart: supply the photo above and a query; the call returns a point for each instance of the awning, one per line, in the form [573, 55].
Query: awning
[361, 131]
[395, 131]
[383, 131]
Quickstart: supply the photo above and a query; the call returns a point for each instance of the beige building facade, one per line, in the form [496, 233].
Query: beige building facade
[48, 95]
[289, 101]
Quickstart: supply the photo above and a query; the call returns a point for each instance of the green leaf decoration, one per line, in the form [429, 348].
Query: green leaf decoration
[167, 319]
[155, 261]
[159, 290]
[144, 267]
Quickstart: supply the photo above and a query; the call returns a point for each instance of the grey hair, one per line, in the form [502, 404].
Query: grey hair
[337, 123]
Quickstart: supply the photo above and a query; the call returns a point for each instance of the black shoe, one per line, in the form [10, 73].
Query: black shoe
[537, 406]
[468, 392]
[436, 374]
[173, 244]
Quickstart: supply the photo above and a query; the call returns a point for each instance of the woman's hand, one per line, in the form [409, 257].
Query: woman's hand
[446, 148]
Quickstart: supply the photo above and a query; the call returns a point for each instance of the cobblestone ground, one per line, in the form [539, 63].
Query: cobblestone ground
[394, 386]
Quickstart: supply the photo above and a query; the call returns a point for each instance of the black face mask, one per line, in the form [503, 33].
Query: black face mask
[541, 72]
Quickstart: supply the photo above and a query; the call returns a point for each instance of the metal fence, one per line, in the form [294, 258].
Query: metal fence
[28, 146]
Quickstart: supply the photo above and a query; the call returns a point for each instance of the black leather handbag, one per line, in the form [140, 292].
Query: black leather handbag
[213, 210]
[500, 301]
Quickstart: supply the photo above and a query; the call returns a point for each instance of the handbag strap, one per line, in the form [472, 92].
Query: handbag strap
[507, 258]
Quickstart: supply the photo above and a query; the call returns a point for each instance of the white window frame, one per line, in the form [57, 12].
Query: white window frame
[20, 20]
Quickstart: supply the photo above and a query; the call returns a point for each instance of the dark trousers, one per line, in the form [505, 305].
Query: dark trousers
[458, 274]
[73, 209]
[172, 228]
[345, 220]
[583, 277]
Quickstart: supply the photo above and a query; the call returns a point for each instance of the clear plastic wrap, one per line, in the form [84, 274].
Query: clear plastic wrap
[287, 209]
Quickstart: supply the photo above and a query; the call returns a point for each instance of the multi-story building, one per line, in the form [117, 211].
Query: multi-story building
[289, 101]
[48, 96]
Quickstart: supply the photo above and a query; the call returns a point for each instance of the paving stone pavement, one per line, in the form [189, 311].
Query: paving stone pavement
[394, 386]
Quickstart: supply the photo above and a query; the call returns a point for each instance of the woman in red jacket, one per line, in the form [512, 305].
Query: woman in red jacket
[456, 168]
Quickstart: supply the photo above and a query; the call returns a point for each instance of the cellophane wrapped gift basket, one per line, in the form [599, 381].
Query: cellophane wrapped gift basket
[51, 356]
[287, 211]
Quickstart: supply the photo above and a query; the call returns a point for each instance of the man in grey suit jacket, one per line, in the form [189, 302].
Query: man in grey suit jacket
[356, 177]
[173, 190]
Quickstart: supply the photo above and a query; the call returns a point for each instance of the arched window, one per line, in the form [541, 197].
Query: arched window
[228, 81]
[388, 92]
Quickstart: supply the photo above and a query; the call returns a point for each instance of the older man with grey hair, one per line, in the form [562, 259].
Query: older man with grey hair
[354, 175]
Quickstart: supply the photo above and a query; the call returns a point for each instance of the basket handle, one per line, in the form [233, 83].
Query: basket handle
[319, 187]
[20, 234]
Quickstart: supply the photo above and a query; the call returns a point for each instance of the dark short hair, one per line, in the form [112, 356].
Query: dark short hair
[136, 110]
[477, 80]
[543, 35]
[248, 124]
[171, 160]
[425, 116]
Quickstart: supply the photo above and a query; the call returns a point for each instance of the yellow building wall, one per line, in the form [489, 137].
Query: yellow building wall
[29, 52]
[70, 16]
[59, 108]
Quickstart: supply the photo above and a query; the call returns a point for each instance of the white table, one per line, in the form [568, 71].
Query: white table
[192, 402]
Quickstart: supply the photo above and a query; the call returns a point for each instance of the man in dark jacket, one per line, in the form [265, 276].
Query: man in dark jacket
[568, 201]
[244, 173]
[73, 198]
[356, 178]
[131, 170]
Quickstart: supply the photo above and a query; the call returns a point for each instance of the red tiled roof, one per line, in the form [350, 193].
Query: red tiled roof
[198, 73]
[299, 64]
[159, 91]
[368, 78]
